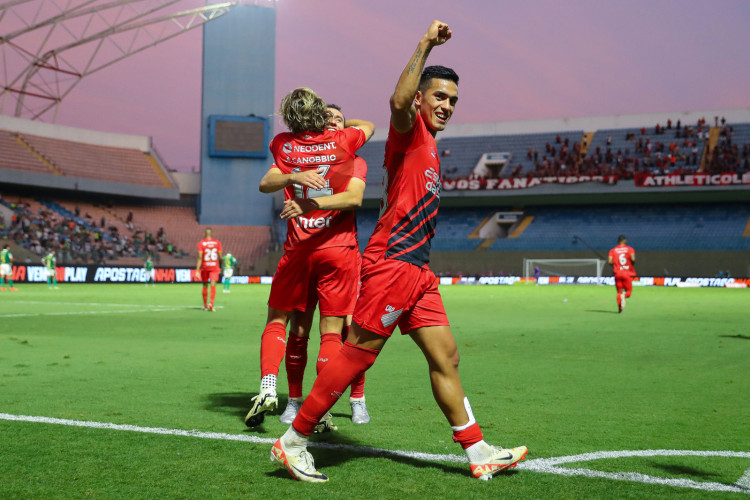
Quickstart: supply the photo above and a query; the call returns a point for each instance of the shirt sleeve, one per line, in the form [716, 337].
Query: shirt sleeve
[352, 138]
[360, 168]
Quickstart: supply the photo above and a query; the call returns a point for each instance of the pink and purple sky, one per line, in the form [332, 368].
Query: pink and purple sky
[526, 60]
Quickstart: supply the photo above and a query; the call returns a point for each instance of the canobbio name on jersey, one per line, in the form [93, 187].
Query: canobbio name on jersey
[313, 159]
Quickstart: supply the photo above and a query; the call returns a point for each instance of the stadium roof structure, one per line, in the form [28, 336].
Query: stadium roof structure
[59, 42]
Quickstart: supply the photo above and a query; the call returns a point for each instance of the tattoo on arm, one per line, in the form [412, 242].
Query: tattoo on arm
[415, 62]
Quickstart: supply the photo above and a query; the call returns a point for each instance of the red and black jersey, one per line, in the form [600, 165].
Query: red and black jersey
[333, 155]
[411, 196]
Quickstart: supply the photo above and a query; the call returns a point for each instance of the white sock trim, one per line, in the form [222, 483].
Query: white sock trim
[268, 382]
[471, 421]
[293, 441]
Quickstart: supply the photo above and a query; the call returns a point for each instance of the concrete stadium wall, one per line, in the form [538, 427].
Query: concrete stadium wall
[648, 263]
[238, 80]
[72, 185]
[75, 134]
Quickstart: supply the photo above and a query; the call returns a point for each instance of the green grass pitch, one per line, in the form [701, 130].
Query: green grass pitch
[554, 368]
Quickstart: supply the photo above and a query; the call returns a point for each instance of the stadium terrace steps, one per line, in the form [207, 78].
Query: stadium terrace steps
[159, 172]
[651, 227]
[521, 227]
[48, 163]
[459, 155]
[105, 163]
[247, 243]
[15, 155]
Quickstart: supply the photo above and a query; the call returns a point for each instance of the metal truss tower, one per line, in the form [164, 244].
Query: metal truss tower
[56, 43]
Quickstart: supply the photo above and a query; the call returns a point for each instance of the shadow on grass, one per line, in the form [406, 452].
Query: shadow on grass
[337, 450]
[682, 470]
[235, 404]
[330, 449]
[738, 336]
[601, 311]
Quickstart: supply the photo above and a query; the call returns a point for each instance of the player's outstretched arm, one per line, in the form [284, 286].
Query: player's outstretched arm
[275, 180]
[403, 111]
[351, 199]
[367, 127]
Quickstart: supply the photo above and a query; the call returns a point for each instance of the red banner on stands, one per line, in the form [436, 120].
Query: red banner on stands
[464, 184]
[697, 179]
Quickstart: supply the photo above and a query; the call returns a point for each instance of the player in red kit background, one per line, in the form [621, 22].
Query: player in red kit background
[398, 288]
[622, 259]
[209, 266]
[322, 184]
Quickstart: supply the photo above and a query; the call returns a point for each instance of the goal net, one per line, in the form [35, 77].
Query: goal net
[563, 268]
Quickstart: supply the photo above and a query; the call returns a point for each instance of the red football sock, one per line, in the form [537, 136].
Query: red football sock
[330, 345]
[213, 293]
[272, 348]
[296, 361]
[358, 386]
[331, 384]
[468, 436]
[205, 297]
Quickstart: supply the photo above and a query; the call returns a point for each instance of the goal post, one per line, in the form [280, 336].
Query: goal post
[563, 267]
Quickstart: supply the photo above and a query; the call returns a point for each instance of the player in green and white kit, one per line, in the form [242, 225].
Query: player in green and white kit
[6, 269]
[227, 264]
[50, 262]
[150, 271]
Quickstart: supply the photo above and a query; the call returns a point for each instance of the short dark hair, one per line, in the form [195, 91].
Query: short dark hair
[337, 108]
[621, 238]
[440, 72]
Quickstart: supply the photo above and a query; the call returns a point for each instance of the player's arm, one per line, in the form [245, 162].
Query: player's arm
[275, 180]
[351, 199]
[610, 260]
[403, 110]
[367, 127]
[632, 257]
[200, 261]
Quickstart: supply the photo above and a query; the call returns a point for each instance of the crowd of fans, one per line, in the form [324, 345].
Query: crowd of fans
[79, 239]
[681, 151]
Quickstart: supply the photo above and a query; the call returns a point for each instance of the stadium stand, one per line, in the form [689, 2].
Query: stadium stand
[459, 155]
[76, 159]
[652, 227]
[373, 153]
[84, 232]
[182, 230]
[15, 155]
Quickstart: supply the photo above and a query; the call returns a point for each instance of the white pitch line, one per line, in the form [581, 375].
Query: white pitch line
[73, 303]
[227, 437]
[545, 465]
[86, 313]
[550, 465]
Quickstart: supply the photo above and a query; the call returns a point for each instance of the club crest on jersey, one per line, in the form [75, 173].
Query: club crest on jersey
[287, 147]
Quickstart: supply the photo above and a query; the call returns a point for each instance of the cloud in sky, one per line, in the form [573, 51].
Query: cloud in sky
[517, 61]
